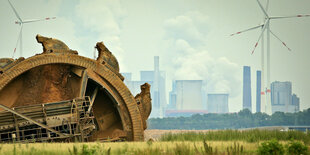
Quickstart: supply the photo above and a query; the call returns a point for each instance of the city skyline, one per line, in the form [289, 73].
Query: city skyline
[192, 38]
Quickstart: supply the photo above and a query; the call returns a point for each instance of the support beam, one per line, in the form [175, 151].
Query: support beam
[92, 99]
[33, 121]
[84, 81]
[16, 127]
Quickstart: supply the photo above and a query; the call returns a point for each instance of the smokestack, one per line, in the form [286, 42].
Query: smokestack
[247, 98]
[156, 73]
[258, 90]
[156, 96]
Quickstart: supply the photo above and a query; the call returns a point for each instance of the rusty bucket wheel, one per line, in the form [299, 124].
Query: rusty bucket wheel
[109, 78]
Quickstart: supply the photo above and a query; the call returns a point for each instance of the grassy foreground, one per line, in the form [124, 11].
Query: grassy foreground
[139, 148]
[218, 147]
[213, 142]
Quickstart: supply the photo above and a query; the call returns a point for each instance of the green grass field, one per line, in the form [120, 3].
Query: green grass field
[237, 135]
[213, 142]
[185, 147]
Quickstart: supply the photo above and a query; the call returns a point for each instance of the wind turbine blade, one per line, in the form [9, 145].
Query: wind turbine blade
[15, 12]
[280, 40]
[260, 5]
[294, 16]
[252, 28]
[260, 36]
[20, 32]
[36, 20]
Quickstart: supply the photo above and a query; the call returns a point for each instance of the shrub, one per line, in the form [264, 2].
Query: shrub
[297, 148]
[88, 151]
[272, 147]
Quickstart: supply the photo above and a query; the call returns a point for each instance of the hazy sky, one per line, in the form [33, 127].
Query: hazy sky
[192, 38]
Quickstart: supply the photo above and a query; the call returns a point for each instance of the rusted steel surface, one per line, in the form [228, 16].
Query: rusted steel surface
[63, 120]
[144, 103]
[60, 74]
[28, 119]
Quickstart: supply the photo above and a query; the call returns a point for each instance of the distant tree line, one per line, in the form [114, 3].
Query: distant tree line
[242, 119]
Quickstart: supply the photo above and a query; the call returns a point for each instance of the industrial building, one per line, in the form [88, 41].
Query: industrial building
[188, 94]
[157, 80]
[295, 101]
[282, 98]
[217, 103]
[247, 97]
[186, 98]
[172, 98]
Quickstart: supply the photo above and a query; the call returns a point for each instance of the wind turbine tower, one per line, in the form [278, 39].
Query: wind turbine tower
[21, 23]
[266, 105]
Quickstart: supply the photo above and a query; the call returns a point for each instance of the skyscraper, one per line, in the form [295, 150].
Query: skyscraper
[258, 90]
[247, 98]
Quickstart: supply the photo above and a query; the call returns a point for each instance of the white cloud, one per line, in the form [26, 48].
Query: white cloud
[192, 62]
[105, 18]
[191, 26]
[220, 74]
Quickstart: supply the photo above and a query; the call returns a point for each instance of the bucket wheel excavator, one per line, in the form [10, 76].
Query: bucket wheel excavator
[59, 95]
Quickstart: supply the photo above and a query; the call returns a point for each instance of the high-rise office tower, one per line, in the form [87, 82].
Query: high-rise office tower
[247, 98]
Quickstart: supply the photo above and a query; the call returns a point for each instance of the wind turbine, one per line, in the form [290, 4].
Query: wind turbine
[266, 25]
[21, 23]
